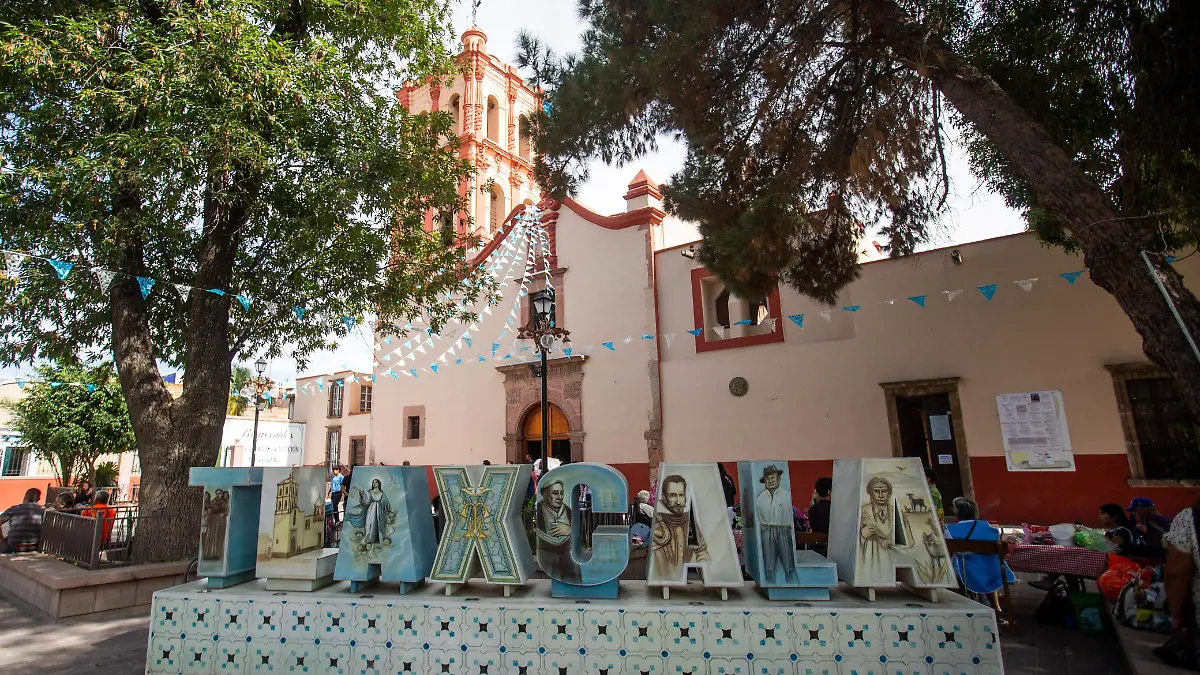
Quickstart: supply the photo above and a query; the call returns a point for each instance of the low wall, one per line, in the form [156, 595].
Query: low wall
[247, 628]
[61, 589]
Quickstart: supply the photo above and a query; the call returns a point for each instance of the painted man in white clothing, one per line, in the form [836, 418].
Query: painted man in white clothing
[773, 509]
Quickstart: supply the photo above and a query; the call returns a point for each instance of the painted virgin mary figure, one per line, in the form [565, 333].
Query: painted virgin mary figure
[372, 514]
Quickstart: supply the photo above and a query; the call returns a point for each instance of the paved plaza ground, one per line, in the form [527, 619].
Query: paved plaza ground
[115, 644]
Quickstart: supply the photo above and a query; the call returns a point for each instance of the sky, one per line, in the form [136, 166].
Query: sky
[975, 212]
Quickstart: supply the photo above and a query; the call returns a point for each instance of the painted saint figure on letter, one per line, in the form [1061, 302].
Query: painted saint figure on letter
[676, 542]
[373, 514]
[554, 532]
[216, 515]
[881, 529]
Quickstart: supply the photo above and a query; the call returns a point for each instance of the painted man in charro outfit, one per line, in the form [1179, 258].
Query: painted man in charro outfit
[675, 542]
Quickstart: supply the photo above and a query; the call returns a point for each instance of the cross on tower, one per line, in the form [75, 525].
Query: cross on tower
[474, 9]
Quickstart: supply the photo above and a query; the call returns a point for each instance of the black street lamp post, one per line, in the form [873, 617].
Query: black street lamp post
[541, 330]
[260, 385]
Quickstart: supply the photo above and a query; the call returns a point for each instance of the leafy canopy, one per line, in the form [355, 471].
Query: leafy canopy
[71, 425]
[804, 123]
[250, 146]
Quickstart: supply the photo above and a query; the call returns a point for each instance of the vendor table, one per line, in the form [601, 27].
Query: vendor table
[1070, 560]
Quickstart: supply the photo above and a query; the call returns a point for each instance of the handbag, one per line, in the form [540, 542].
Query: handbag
[1180, 649]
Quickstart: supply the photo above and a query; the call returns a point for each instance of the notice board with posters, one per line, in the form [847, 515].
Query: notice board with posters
[1034, 428]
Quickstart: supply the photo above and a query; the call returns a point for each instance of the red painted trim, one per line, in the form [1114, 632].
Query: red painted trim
[702, 342]
[647, 215]
[642, 189]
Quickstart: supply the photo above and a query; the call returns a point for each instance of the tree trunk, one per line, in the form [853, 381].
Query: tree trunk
[1112, 249]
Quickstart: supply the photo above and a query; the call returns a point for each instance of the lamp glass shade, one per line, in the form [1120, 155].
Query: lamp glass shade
[542, 302]
[260, 365]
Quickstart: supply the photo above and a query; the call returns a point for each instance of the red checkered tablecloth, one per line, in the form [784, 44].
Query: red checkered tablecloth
[1072, 560]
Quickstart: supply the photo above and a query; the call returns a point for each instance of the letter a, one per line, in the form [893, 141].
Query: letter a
[483, 525]
[689, 531]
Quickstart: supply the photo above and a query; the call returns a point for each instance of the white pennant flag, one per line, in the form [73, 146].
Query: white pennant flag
[1026, 284]
[720, 331]
[951, 295]
[669, 337]
[12, 262]
[888, 302]
[184, 291]
[770, 323]
[487, 309]
[628, 339]
[105, 277]
[826, 314]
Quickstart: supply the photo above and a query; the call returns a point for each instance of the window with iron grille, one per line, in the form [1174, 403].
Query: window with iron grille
[336, 390]
[364, 399]
[414, 427]
[1165, 431]
[16, 461]
[333, 443]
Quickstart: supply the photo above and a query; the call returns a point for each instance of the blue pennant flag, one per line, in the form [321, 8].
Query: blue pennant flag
[510, 320]
[919, 299]
[320, 386]
[458, 360]
[55, 385]
[387, 340]
[21, 384]
[216, 291]
[91, 388]
[852, 308]
[429, 331]
[62, 267]
[647, 336]
[408, 326]
[609, 345]
[1171, 259]
[743, 322]
[797, 319]
[467, 339]
[433, 367]
[413, 372]
[482, 357]
[1071, 276]
[428, 342]
[523, 293]
[988, 291]
[372, 378]
[349, 321]
[299, 312]
[696, 331]
[495, 348]
[567, 351]
[145, 284]
[508, 355]
[408, 344]
[245, 300]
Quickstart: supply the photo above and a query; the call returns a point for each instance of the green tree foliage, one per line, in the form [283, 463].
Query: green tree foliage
[237, 382]
[71, 425]
[807, 120]
[252, 147]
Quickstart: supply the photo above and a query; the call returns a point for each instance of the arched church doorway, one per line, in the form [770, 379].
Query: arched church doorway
[560, 434]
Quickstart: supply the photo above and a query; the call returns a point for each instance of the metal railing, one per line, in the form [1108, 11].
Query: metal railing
[94, 543]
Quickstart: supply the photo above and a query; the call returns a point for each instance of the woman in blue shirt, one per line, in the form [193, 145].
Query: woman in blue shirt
[980, 572]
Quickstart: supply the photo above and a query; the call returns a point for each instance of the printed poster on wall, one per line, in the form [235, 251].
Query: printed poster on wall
[1034, 428]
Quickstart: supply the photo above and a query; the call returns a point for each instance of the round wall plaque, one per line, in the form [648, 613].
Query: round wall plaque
[738, 386]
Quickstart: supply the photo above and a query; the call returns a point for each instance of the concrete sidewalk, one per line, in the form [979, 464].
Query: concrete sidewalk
[113, 643]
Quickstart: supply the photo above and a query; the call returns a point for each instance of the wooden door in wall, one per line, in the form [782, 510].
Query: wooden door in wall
[358, 451]
[560, 429]
[927, 432]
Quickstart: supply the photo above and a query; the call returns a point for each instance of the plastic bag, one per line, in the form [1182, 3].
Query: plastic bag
[1092, 539]
[1121, 571]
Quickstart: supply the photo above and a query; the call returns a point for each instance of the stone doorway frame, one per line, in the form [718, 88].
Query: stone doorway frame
[523, 393]
[942, 385]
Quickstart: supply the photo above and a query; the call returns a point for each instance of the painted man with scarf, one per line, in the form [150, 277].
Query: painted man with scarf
[554, 533]
[672, 549]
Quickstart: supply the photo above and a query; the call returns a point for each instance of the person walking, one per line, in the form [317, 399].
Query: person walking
[335, 491]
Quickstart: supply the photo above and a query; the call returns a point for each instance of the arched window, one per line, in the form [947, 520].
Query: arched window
[493, 120]
[496, 210]
[455, 112]
[722, 308]
[523, 139]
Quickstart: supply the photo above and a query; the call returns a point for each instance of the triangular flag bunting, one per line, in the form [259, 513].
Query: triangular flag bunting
[826, 314]
[62, 267]
[433, 367]
[105, 277]
[55, 385]
[183, 290]
[408, 344]
[951, 295]
[412, 372]
[349, 322]
[12, 263]
[1071, 276]
[988, 291]
[245, 300]
[428, 342]
[647, 336]
[458, 360]
[21, 384]
[1170, 259]
[482, 357]
[628, 339]
[852, 308]
[668, 338]
[145, 284]
[797, 319]
[91, 388]
[467, 340]
[299, 312]
[888, 302]
[770, 323]
[566, 350]
[694, 331]
[216, 291]
[1026, 284]
[919, 299]
[747, 322]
